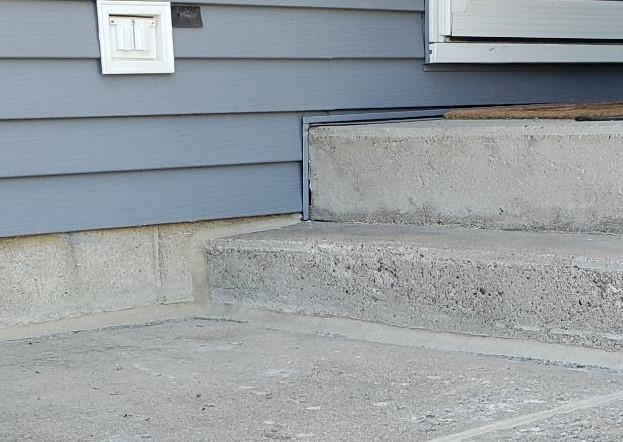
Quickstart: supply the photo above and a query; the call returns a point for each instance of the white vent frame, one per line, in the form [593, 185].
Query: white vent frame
[164, 63]
[448, 20]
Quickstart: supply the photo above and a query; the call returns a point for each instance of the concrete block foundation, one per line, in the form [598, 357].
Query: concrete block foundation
[53, 277]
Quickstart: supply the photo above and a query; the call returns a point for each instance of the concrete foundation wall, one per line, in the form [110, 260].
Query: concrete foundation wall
[51, 277]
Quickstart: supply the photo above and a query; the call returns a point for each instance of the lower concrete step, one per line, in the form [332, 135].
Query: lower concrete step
[515, 175]
[554, 287]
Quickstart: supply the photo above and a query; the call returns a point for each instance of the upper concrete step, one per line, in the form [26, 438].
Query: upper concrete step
[517, 175]
[563, 288]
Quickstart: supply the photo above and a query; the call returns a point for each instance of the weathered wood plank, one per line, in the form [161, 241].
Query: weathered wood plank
[79, 202]
[597, 111]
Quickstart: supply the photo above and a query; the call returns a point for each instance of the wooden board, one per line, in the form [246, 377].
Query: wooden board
[593, 111]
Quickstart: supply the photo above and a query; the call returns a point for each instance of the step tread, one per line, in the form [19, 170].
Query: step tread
[470, 128]
[511, 243]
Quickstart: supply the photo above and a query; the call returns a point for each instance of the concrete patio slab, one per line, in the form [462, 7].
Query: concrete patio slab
[202, 380]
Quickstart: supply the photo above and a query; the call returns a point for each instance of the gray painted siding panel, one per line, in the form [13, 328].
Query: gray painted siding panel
[77, 202]
[56, 147]
[83, 151]
[370, 5]
[229, 32]
[30, 28]
[73, 88]
[373, 5]
[238, 32]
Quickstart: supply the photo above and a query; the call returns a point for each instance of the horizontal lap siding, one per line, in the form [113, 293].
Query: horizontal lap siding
[219, 139]
[73, 88]
[77, 202]
[373, 5]
[72, 146]
[228, 32]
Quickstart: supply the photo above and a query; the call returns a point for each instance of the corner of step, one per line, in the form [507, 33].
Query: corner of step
[252, 239]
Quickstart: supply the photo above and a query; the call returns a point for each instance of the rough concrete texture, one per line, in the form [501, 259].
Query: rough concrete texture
[559, 288]
[516, 175]
[597, 424]
[51, 277]
[217, 381]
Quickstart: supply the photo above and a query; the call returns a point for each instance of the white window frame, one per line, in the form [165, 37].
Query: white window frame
[449, 20]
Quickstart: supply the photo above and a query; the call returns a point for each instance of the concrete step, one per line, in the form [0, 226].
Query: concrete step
[554, 287]
[516, 175]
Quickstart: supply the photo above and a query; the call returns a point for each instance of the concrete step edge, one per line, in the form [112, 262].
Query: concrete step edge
[565, 293]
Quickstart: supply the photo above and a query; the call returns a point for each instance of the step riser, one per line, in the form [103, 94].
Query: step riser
[516, 175]
[550, 298]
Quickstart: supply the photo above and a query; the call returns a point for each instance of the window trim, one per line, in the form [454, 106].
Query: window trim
[444, 49]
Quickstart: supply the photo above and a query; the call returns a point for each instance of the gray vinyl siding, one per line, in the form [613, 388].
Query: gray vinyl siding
[221, 138]
[96, 145]
[77, 202]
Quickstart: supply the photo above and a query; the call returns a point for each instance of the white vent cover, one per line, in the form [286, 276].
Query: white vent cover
[135, 37]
